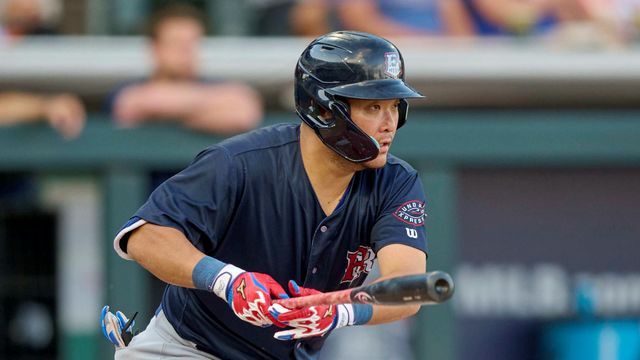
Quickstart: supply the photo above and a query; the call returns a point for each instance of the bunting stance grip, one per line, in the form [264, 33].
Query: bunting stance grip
[424, 289]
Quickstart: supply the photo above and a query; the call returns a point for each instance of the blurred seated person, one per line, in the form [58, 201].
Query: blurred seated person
[405, 17]
[312, 18]
[522, 17]
[174, 91]
[270, 17]
[65, 112]
[21, 18]
[622, 17]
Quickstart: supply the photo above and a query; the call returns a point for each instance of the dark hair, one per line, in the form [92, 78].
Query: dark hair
[174, 11]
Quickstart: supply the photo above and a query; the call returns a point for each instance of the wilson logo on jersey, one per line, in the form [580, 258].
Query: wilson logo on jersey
[411, 212]
[358, 262]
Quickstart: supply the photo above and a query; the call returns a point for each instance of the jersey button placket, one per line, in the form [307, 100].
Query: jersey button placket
[323, 229]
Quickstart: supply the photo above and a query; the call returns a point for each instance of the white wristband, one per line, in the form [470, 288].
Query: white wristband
[225, 277]
[345, 315]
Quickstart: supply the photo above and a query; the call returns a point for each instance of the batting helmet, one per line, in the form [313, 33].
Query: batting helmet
[346, 64]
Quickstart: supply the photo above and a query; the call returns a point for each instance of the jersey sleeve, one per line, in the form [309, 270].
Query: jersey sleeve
[401, 220]
[198, 201]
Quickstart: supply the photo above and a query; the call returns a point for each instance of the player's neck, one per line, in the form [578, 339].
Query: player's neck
[328, 173]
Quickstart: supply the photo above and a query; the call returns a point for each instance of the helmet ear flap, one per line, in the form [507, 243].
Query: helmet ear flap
[346, 138]
[403, 111]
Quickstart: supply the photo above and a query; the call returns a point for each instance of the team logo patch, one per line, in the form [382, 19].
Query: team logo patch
[392, 64]
[358, 262]
[411, 212]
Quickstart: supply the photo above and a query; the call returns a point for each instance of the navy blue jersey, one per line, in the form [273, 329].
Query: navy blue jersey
[248, 202]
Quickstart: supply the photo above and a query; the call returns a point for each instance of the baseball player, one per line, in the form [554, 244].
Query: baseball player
[286, 210]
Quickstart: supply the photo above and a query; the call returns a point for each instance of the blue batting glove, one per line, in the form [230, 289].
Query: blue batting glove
[113, 326]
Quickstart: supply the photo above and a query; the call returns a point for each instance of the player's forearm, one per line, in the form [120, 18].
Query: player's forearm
[386, 314]
[397, 260]
[165, 252]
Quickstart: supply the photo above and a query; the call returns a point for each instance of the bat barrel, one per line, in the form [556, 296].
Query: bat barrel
[430, 288]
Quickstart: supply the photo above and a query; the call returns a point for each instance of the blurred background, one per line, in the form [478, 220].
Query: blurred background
[528, 144]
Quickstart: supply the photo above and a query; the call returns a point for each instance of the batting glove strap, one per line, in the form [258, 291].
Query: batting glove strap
[223, 281]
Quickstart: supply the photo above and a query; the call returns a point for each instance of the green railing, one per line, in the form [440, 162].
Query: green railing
[437, 143]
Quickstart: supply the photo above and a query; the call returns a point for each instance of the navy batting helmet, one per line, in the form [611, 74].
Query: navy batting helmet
[346, 64]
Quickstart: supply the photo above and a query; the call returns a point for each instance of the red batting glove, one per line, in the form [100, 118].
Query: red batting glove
[250, 295]
[309, 321]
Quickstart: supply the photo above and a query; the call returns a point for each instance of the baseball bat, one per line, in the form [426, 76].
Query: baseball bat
[424, 289]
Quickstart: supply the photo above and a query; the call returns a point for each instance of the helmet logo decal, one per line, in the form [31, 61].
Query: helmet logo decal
[392, 64]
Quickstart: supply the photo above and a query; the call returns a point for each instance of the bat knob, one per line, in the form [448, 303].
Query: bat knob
[441, 286]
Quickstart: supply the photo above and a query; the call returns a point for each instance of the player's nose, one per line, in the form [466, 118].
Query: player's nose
[389, 121]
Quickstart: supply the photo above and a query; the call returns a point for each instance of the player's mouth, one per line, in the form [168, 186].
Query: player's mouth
[385, 144]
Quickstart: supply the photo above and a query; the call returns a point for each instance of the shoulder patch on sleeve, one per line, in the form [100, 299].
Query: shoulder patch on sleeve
[411, 212]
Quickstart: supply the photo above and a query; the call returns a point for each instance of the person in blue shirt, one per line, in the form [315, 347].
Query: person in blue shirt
[286, 210]
[406, 17]
[525, 17]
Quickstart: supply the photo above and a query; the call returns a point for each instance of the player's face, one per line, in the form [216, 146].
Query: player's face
[176, 48]
[379, 119]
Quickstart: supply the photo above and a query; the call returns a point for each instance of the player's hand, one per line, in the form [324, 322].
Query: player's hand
[309, 321]
[250, 295]
[113, 326]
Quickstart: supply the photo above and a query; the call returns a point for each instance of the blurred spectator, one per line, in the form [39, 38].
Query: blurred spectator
[65, 112]
[312, 17]
[175, 92]
[621, 16]
[405, 17]
[28, 17]
[498, 17]
[271, 17]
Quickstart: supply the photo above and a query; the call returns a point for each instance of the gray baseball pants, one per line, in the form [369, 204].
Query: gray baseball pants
[160, 341]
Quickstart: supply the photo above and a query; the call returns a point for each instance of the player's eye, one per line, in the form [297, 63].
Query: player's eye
[375, 107]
